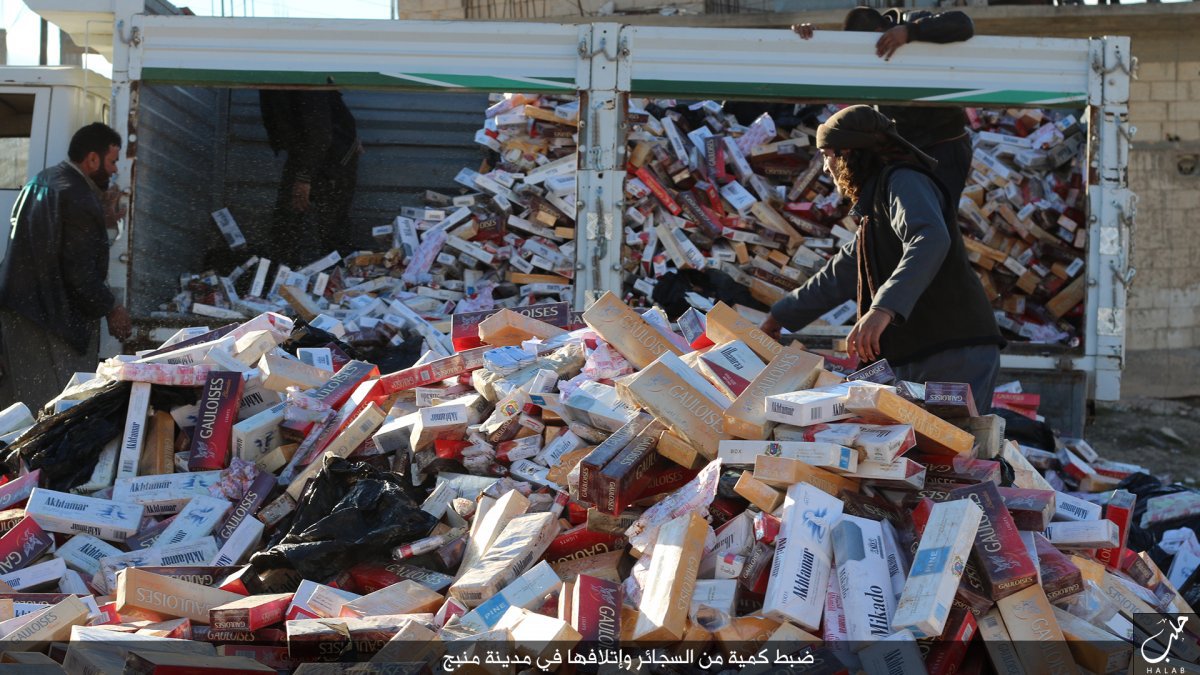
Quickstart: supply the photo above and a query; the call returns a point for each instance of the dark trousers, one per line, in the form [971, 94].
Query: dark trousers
[954, 164]
[978, 366]
[298, 237]
[37, 363]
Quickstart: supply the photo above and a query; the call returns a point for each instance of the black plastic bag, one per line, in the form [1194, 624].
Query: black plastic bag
[66, 446]
[671, 287]
[349, 512]
[1025, 431]
[304, 335]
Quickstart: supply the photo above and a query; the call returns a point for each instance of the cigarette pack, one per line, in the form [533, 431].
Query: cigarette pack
[1033, 627]
[434, 371]
[1071, 509]
[725, 324]
[937, 567]
[862, 573]
[803, 550]
[22, 545]
[1119, 510]
[621, 327]
[790, 370]
[250, 613]
[527, 591]
[240, 543]
[159, 597]
[72, 514]
[879, 372]
[1084, 534]
[491, 516]
[782, 472]
[944, 470]
[680, 405]
[825, 455]
[999, 552]
[758, 493]
[624, 478]
[83, 553]
[219, 400]
[135, 429]
[405, 597]
[1030, 509]
[522, 541]
[884, 442]
[884, 406]
[671, 581]
[950, 400]
[198, 519]
[810, 406]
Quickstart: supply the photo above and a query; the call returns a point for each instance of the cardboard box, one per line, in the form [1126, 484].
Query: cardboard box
[671, 581]
[937, 567]
[790, 370]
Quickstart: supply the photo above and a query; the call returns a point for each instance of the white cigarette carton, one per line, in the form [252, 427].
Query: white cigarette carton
[73, 514]
[1084, 534]
[83, 553]
[135, 429]
[196, 520]
[37, 575]
[526, 591]
[803, 550]
[813, 406]
[257, 435]
[164, 494]
[862, 570]
[937, 567]
[825, 455]
[1069, 508]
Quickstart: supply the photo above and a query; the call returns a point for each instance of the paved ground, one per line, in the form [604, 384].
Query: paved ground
[1162, 435]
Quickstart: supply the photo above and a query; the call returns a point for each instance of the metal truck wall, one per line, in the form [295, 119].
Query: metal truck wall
[177, 159]
[413, 141]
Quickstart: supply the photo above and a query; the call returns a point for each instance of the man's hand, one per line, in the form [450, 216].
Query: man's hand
[890, 41]
[119, 324]
[300, 195]
[771, 327]
[804, 30]
[863, 340]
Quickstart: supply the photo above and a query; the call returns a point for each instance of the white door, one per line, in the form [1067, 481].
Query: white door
[24, 119]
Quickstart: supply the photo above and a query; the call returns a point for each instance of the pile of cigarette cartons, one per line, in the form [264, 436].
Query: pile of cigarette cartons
[506, 241]
[592, 496]
[706, 191]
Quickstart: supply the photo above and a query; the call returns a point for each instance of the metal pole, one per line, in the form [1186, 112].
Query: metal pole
[42, 46]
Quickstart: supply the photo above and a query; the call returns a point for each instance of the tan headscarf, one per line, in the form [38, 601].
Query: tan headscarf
[861, 127]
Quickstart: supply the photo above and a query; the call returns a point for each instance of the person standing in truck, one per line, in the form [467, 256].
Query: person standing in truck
[939, 131]
[920, 305]
[319, 134]
[53, 282]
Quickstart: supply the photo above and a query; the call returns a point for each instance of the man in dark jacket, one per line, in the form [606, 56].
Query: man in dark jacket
[920, 305]
[939, 131]
[318, 132]
[53, 288]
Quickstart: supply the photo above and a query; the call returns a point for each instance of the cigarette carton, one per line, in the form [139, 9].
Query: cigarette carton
[198, 519]
[897, 653]
[164, 494]
[950, 400]
[1069, 508]
[803, 550]
[999, 553]
[527, 591]
[810, 406]
[250, 613]
[1031, 510]
[258, 434]
[731, 367]
[937, 567]
[1092, 647]
[862, 573]
[51, 624]
[1119, 510]
[219, 400]
[23, 544]
[758, 493]
[134, 436]
[629, 333]
[1032, 625]
[1000, 647]
[18, 489]
[522, 541]
[884, 442]
[884, 406]
[781, 472]
[1084, 534]
[624, 478]
[681, 406]
[671, 581]
[825, 455]
[901, 473]
[158, 596]
[790, 370]
[83, 553]
[72, 514]
[240, 543]
[405, 597]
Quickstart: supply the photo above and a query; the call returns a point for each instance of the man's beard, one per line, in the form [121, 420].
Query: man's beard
[100, 178]
[847, 184]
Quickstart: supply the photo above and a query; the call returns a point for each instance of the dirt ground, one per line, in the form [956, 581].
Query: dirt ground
[1161, 435]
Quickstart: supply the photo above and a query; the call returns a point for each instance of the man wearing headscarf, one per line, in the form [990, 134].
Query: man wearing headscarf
[920, 305]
